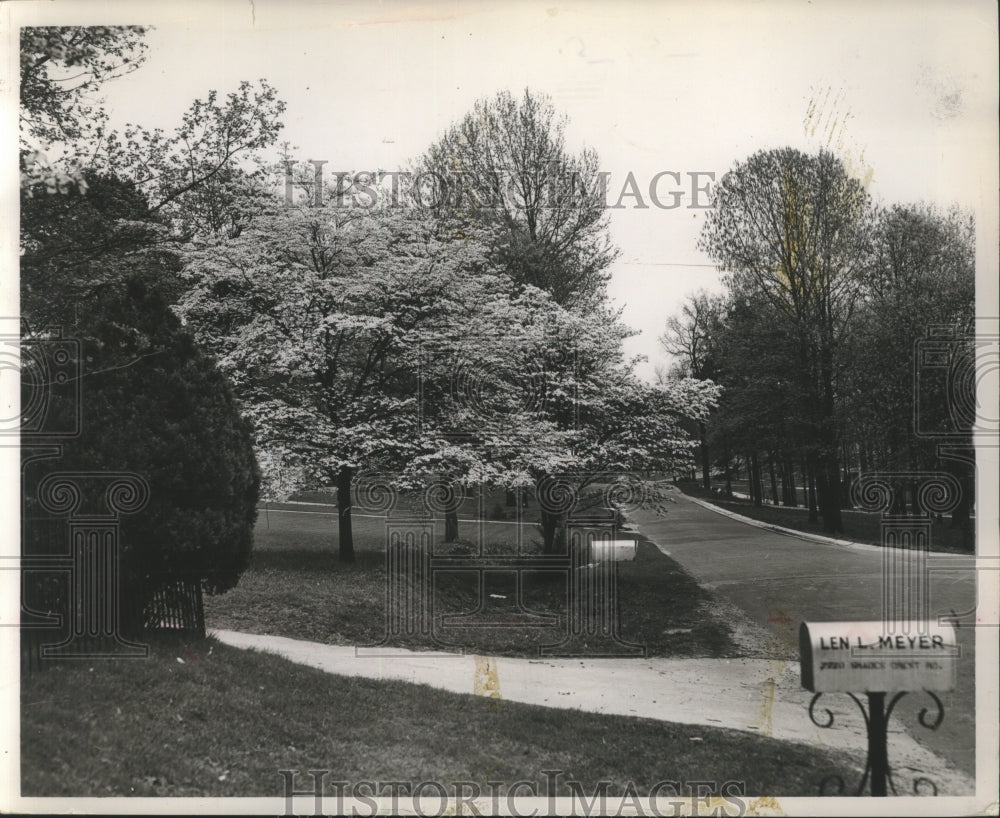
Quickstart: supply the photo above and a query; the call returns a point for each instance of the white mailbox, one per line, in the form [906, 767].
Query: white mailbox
[612, 550]
[876, 657]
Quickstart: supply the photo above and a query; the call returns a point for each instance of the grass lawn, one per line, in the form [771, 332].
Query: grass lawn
[489, 504]
[859, 526]
[204, 719]
[296, 587]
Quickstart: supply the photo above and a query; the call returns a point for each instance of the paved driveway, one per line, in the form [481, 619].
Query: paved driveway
[780, 580]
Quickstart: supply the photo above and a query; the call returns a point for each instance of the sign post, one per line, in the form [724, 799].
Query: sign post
[877, 659]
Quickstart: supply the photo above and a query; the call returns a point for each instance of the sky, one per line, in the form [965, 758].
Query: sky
[905, 94]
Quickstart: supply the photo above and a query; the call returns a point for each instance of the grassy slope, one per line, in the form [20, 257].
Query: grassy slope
[296, 587]
[859, 526]
[223, 722]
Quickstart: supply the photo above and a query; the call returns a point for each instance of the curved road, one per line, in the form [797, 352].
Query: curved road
[779, 580]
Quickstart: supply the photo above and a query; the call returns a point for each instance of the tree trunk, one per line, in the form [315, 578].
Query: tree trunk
[828, 467]
[810, 471]
[961, 463]
[553, 532]
[547, 522]
[511, 498]
[344, 531]
[757, 485]
[451, 506]
[774, 479]
[898, 506]
[828, 492]
[729, 477]
[846, 478]
[961, 516]
[451, 525]
[788, 476]
[845, 490]
[706, 471]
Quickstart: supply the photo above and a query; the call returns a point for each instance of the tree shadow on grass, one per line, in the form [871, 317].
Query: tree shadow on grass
[311, 560]
[308, 593]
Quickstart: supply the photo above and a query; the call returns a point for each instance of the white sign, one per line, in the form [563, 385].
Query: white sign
[612, 550]
[873, 657]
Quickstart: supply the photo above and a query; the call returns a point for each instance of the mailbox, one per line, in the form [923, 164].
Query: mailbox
[871, 657]
[612, 550]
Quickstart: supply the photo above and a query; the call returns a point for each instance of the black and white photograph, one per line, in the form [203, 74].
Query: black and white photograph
[477, 408]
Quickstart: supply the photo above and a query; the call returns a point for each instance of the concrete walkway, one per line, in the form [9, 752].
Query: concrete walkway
[762, 696]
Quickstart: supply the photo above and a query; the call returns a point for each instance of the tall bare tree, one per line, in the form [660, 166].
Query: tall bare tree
[506, 163]
[794, 229]
[691, 338]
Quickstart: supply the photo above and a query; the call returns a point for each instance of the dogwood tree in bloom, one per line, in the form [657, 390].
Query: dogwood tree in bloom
[321, 316]
[384, 341]
[540, 397]
[615, 425]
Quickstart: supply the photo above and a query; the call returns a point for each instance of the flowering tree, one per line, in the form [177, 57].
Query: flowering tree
[323, 319]
[616, 425]
[545, 401]
[385, 340]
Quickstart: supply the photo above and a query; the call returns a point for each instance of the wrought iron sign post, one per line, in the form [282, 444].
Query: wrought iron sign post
[878, 659]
